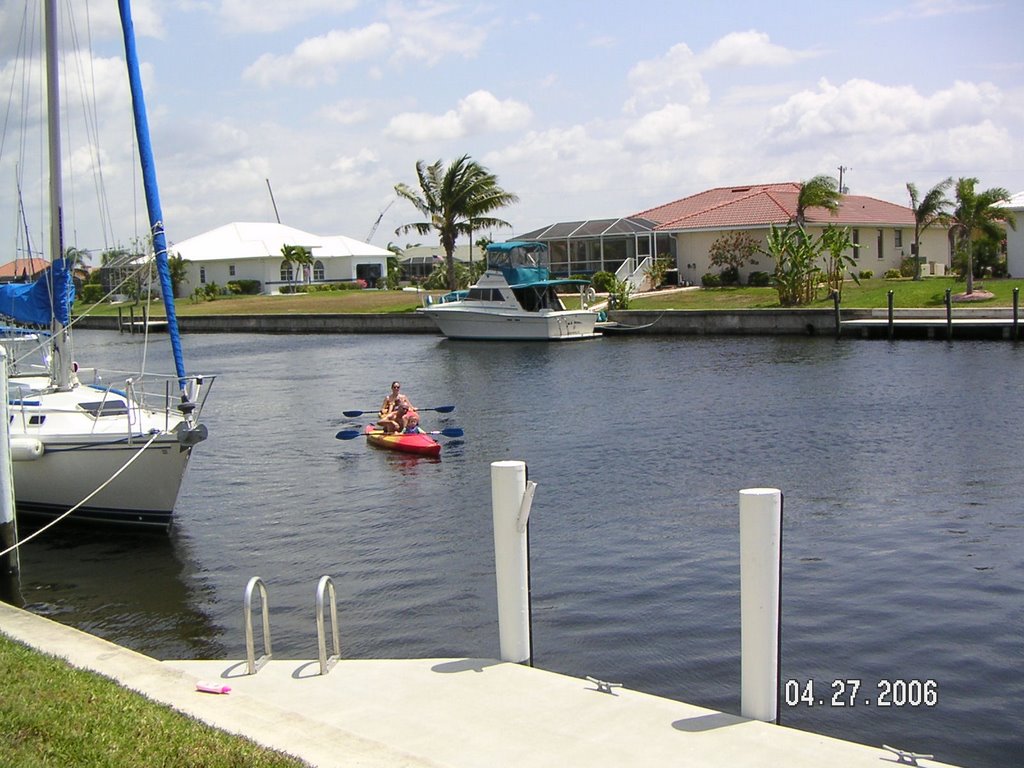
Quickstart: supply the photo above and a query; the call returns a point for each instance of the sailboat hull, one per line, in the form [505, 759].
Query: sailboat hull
[143, 495]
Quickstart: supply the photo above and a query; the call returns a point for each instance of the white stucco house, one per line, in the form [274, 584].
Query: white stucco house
[1015, 238]
[253, 251]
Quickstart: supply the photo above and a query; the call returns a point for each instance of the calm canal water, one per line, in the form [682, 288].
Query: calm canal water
[903, 536]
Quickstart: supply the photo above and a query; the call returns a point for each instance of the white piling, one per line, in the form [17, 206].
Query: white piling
[11, 562]
[760, 585]
[511, 496]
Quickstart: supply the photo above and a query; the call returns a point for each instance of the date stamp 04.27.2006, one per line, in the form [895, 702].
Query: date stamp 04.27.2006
[851, 692]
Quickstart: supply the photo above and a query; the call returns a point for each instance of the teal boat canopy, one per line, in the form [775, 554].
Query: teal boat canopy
[520, 261]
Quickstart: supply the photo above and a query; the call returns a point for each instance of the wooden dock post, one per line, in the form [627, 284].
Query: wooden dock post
[949, 315]
[1016, 312]
[835, 310]
[892, 331]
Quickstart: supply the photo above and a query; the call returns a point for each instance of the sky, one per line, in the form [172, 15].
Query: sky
[584, 109]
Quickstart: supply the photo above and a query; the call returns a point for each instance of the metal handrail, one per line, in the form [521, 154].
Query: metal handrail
[326, 662]
[254, 664]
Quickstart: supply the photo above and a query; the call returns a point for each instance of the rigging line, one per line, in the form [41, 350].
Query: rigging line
[79, 504]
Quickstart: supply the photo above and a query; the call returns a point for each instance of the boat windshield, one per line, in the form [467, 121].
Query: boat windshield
[520, 262]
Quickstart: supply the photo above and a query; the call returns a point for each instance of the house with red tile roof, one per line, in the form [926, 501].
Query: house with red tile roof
[24, 269]
[883, 231]
[685, 229]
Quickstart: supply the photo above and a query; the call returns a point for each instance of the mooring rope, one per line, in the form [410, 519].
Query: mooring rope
[103, 485]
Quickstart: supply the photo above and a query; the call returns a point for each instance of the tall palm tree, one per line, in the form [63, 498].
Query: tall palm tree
[978, 213]
[820, 192]
[454, 201]
[931, 209]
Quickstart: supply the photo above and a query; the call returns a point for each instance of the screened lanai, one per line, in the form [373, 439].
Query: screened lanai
[600, 245]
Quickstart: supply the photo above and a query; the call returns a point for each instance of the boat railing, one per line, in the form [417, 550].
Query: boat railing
[153, 391]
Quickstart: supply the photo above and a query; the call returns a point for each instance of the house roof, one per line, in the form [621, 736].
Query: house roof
[12, 270]
[760, 205]
[254, 240]
[1016, 202]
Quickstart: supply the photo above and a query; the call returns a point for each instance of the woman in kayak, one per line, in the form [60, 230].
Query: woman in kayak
[397, 413]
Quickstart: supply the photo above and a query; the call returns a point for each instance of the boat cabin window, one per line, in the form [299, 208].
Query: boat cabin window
[105, 408]
[484, 294]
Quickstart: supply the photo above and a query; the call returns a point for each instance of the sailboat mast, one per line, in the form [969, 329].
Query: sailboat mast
[156, 216]
[60, 364]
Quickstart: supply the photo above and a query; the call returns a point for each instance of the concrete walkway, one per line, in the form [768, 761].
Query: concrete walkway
[445, 712]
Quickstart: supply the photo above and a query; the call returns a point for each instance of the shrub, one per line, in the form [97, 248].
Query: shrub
[759, 279]
[604, 282]
[865, 274]
[892, 274]
[730, 276]
[91, 293]
[244, 287]
[711, 280]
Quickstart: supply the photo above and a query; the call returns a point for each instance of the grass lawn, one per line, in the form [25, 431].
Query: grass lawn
[870, 294]
[52, 714]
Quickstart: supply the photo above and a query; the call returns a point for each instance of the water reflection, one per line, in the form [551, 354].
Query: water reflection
[137, 590]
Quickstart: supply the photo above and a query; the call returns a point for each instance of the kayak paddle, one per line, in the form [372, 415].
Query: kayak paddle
[439, 409]
[352, 434]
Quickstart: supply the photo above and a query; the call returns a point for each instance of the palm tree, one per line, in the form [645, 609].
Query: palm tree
[298, 255]
[454, 201]
[931, 209]
[978, 213]
[820, 192]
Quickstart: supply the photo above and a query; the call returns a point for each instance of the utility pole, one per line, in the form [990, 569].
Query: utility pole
[842, 169]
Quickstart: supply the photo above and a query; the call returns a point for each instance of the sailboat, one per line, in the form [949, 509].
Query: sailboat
[97, 448]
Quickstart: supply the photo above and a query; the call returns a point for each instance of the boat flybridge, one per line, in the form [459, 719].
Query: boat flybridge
[515, 299]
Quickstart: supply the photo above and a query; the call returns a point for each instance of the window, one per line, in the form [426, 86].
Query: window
[231, 270]
[287, 275]
[202, 275]
[899, 238]
[318, 270]
[880, 242]
[855, 235]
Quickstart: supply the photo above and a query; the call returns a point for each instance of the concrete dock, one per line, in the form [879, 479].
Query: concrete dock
[445, 712]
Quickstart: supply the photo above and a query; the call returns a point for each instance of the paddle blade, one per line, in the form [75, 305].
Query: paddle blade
[452, 432]
[348, 434]
[350, 414]
[442, 409]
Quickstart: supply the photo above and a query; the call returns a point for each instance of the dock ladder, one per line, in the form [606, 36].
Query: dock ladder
[324, 589]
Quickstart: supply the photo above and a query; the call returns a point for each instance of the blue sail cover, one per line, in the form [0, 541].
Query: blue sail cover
[38, 303]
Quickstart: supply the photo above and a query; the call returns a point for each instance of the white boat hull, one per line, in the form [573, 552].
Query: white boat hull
[460, 322]
[98, 451]
[69, 471]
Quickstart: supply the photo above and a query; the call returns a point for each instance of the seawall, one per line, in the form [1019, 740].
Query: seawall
[993, 323]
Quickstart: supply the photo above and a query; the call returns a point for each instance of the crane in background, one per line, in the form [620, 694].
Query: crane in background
[373, 229]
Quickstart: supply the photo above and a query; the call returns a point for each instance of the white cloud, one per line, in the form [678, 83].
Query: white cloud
[672, 123]
[749, 49]
[861, 107]
[429, 31]
[345, 113]
[478, 113]
[273, 15]
[925, 9]
[675, 77]
[678, 76]
[317, 59]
